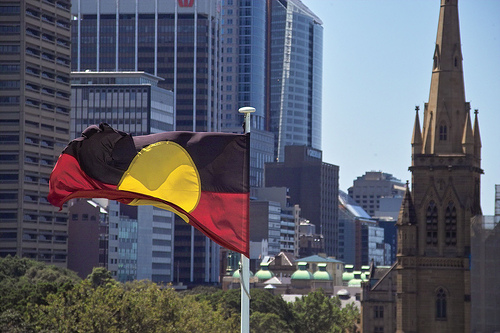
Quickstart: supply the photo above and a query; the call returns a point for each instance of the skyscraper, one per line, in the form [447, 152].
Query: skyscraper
[176, 40]
[314, 186]
[294, 75]
[434, 226]
[34, 125]
[140, 238]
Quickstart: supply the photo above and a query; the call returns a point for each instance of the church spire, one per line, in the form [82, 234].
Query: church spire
[416, 140]
[477, 137]
[446, 112]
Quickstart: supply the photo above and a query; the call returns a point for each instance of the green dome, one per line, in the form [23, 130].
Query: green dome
[236, 274]
[264, 273]
[356, 282]
[302, 273]
[321, 273]
[348, 274]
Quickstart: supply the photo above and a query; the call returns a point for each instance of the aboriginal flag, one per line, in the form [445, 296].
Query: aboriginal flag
[202, 177]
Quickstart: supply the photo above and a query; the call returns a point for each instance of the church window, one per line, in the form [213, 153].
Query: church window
[378, 310]
[432, 224]
[450, 219]
[443, 133]
[440, 304]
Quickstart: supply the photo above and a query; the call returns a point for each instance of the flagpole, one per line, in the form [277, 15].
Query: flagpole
[245, 262]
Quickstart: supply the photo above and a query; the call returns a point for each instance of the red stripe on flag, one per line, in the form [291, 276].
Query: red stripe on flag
[68, 178]
[224, 218]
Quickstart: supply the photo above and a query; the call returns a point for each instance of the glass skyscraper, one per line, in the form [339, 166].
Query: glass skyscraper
[175, 40]
[294, 65]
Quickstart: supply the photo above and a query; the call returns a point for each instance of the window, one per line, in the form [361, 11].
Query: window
[443, 133]
[432, 224]
[378, 329]
[440, 304]
[450, 219]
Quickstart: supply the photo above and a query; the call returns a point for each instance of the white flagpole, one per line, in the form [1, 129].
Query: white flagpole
[245, 262]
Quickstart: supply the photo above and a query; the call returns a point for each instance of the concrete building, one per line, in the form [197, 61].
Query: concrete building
[140, 238]
[294, 75]
[34, 107]
[369, 189]
[88, 237]
[310, 243]
[313, 185]
[290, 216]
[265, 219]
[129, 101]
[433, 267]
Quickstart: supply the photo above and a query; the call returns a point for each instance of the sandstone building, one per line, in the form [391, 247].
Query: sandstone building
[432, 271]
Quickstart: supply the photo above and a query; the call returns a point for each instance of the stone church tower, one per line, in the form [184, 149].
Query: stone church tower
[433, 259]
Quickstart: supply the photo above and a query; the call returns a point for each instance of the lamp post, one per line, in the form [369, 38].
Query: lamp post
[245, 262]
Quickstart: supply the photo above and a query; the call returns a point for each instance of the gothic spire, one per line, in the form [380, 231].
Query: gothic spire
[416, 140]
[477, 136]
[445, 113]
[407, 215]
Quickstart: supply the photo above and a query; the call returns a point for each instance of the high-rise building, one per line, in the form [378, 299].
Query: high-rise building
[294, 75]
[434, 229]
[243, 62]
[360, 238]
[368, 190]
[140, 238]
[176, 40]
[313, 185]
[34, 125]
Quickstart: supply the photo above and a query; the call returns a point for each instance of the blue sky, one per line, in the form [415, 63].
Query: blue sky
[377, 62]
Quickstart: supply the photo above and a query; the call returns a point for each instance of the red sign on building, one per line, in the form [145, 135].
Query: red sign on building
[185, 3]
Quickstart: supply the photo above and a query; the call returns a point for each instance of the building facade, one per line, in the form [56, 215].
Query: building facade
[140, 238]
[369, 189]
[294, 75]
[313, 185]
[34, 126]
[176, 40]
[434, 227]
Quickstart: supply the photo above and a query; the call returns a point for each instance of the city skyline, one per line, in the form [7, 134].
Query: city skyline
[377, 67]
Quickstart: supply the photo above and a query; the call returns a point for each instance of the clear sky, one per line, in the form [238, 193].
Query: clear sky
[377, 63]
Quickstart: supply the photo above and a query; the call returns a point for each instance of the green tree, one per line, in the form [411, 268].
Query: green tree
[316, 312]
[24, 281]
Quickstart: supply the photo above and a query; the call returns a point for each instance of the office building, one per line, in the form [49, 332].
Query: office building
[34, 126]
[157, 37]
[129, 101]
[360, 238]
[140, 238]
[368, 190]
[88, 237]
[243, 38]
[313, 185]
[294, 75]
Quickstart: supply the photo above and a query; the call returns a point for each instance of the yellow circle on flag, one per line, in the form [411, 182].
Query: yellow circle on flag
[164, 170]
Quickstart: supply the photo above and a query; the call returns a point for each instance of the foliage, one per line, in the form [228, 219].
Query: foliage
[24, 281]
[41, 298]
[317, 312]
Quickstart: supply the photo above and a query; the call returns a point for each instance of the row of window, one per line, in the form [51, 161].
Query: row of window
[48, 18]
[450, 218]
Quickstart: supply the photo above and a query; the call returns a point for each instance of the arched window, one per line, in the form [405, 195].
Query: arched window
[450, 227]
[440, 304]
[432, 224]
[443, 133]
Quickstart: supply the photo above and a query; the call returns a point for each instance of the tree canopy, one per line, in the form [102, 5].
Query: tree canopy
[40, 298]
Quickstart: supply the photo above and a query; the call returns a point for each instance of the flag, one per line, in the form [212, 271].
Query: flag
[202, 177]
